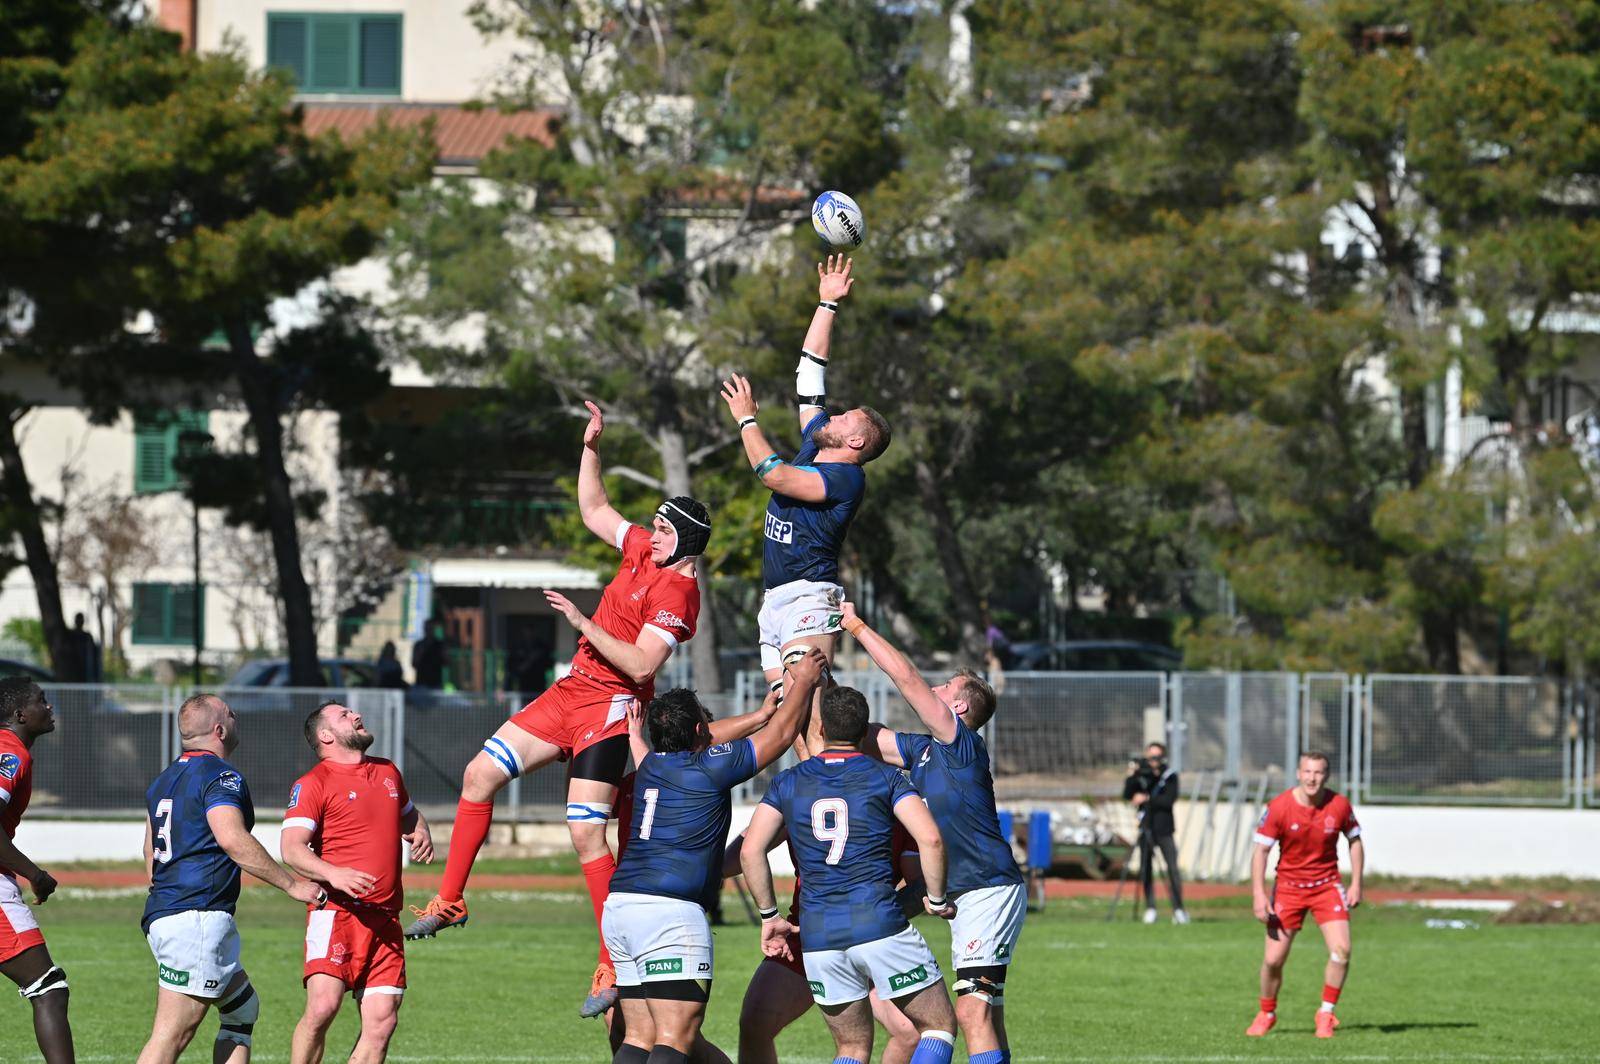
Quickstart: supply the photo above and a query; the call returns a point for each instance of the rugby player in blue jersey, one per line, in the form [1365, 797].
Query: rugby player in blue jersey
[950, 767]
[197, 838]
[815, 496]
[839, 808]
[654, 922]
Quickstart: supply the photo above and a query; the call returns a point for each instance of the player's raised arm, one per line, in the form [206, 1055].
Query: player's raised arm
[593, 503]
[810, 376]
[638, 660]
[936, 716]
[732, 729]
[912, 811]
[246, 851]
[797, 482]
[801, 679]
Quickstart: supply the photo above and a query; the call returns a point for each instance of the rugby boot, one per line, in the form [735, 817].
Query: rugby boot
[1326, 1022]
[438, 915]
[1261, 1024]
[602, 992]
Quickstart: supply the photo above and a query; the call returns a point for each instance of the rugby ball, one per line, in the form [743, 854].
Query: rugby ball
[837, 220]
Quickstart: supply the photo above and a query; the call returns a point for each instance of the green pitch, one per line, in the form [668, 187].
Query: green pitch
[507, 987]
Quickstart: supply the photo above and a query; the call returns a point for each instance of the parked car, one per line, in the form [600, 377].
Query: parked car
[1093, 655]
[335, 672]
[36, 673]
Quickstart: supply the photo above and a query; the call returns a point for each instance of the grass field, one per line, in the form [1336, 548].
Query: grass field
[506, 988]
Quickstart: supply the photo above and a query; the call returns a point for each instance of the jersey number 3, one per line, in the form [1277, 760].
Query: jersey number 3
[163, 834]
[836, 833]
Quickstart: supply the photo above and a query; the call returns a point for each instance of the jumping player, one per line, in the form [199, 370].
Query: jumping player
[1305, 823]
[25, 714]
[655, 920]
[343, 828]
[815, 497]
[950, 767]
[648, 609]
[839, 807]
[196, 839]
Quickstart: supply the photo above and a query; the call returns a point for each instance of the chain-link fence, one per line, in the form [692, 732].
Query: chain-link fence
[1445, 739]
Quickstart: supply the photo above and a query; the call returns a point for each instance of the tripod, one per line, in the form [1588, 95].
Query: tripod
[1143, 843]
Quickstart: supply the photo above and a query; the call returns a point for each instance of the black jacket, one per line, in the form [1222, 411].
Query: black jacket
[1163, 791]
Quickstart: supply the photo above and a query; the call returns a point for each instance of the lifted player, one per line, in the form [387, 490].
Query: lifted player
[343, 828]
[1305, 823]
[196, 839]
[950, 767]
[25, 715]
[839, 808]
[650, 606]
[815, 497]
[655, 920]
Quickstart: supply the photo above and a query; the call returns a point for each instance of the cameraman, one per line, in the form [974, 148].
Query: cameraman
[1153, 788]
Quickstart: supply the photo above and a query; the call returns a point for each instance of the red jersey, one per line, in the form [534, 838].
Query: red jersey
[1307, 836]
[642, 596]
[354, 814]
[16, 780]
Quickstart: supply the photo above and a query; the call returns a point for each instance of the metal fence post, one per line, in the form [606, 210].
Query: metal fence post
[1352, 738]
[514, 791]
[1291, 728]
[1177, 727]
[1233, 725]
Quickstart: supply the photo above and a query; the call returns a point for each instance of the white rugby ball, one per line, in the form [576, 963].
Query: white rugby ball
[837, 220]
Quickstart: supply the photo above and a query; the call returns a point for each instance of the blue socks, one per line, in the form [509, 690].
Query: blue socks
[846, 1060]
[936, 1047]
[994, 1056]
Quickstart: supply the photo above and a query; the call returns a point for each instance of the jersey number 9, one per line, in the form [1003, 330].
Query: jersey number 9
[836, 834]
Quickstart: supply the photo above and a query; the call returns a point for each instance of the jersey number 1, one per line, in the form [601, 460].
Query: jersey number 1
[163, 836]
[838, 833]
[650, 796]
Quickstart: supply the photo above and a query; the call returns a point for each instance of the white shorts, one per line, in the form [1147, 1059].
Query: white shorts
[895, 966]
[653, 939]
[197, 952]
[794, 610]
[987, 924]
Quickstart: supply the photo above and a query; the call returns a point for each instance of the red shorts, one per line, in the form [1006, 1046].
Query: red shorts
[364, 948]
[1325, 901]
[19, 931]
[576, 713]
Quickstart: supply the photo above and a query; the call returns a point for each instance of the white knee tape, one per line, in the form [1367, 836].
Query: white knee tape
[238, 1015]
[588, 812]
[1336, 957]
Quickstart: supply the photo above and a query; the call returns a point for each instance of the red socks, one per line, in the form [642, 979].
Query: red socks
[1330, 994]
[1269, 1004]
[466, 839]
[597, 877]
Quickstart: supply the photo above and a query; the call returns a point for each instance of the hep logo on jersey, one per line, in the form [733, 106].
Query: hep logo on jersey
[779, 531]
[10, 765]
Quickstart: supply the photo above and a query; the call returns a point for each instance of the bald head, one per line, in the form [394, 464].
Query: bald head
[199, 719]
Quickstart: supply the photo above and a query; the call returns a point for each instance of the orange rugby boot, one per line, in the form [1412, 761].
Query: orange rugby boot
[438, 915]
[1326, 1022]
[602, 992]
[1261, 1024]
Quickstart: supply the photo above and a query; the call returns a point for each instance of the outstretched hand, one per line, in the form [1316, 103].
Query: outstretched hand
[807, 669]
[833, 278]
[741, 401]
[563, 605]
[596, 426]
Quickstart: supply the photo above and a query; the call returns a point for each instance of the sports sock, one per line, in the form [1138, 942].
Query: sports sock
[1005, 1056]
[666, 1055]
[1330, 997]
[936, 1047]
[627, 1054]
[846, 1060]
[466, 839]
[993, 1056]
[1269, 1005]
[597, 877]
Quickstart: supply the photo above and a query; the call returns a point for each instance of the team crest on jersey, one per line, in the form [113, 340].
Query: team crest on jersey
[637, 595]
[336, 954]
[230, 781]
[389, 783]
[352, 796]
[294, 796]
[10, 765]
[926, 754]
[720, 750]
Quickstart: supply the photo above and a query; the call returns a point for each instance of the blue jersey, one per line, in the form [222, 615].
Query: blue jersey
[839, 808]
[954, 779]
[192, 871]
[803, 538]
[681, 810]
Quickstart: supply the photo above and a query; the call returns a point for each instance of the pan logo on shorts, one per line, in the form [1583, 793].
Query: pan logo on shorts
[664, 966]
[173, 976]
[1002, 951]
[816, 988]
[901, 980]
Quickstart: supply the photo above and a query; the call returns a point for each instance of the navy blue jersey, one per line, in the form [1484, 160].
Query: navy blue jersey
[803, 538]
[954, 780]
[192, 871]
[839, 808]
[679, 828]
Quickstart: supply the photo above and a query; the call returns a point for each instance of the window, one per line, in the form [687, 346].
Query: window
[164, 613]
[337, 54]
[155, 445]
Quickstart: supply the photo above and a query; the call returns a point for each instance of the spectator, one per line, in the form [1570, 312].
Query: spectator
[85, 652]
[1152, 786]
[427, 657]
[389, 672]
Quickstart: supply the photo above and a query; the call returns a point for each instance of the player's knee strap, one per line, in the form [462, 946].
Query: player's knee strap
[54, 978]
[810, 380]
[504, 757]
[588, 812]
[987, 982]
[238, 1015]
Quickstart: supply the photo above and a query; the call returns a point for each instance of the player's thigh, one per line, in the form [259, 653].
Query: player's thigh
[381, 1007]
[776, 997]
[639, 1028]
[26, 967]
[178, 1014]
[851, 1022]
[677, 1022]
[324, 996]
[928, 1007]
[1336, 936]
[1277, 946]
[896, 1024]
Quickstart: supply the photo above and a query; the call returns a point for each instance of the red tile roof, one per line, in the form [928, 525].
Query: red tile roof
[464, 135]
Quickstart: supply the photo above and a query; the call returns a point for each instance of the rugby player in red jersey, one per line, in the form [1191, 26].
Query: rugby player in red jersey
[343, 828]
[25, 714]
[1305, 823]
[650, 606]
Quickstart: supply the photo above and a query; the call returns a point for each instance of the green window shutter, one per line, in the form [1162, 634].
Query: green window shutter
[152, 456]
[380, 54]
[150, 612]
[181, 597]
[332, 54]
[286, 44]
